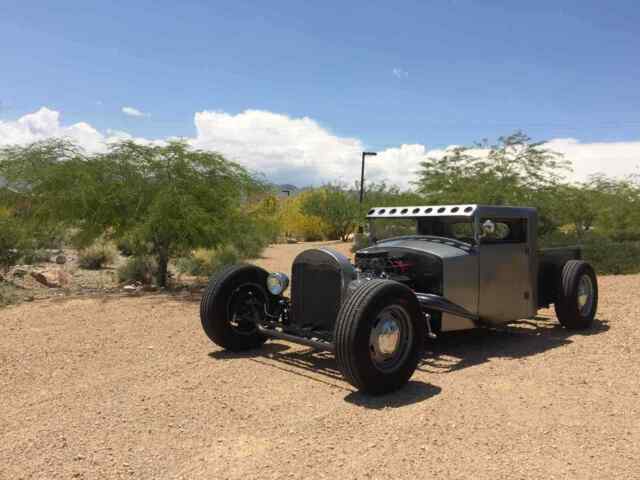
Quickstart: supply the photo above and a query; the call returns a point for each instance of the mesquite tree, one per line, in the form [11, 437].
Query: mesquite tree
[164, 199]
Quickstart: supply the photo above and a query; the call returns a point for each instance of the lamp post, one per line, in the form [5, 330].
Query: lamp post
[286, 233]
[364, 154]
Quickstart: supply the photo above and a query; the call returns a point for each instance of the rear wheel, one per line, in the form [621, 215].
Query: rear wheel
[379, 336]
[232, 305]
[577, 301]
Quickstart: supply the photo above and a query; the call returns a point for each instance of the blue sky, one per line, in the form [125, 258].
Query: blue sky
[464, 69]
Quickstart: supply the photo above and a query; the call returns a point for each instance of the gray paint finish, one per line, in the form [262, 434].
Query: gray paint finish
[460, 286]
[437, 248]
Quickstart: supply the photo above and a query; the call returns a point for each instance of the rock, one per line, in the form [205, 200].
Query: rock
[19, 272]
[45, 279]
[61, 259]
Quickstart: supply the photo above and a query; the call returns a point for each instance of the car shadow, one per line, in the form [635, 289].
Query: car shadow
[449, 352]
[457, 350]
[413, 392]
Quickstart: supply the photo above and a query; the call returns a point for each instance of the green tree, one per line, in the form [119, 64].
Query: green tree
[618, 206]
[514, 171]
[164, 199]
[336, 206]
[577, 206]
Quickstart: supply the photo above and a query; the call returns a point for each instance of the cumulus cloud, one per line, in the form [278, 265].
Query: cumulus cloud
[399, 73]
[612, 158]
[45, 123]
[134, 112]
[285, 149]
[303, 152]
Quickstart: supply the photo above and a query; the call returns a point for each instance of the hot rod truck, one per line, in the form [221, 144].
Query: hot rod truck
[427, 270]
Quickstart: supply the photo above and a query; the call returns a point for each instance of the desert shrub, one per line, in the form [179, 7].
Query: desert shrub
[34, 257]
[140, 268]
[204, 263]
[311, 228]
[293, 223]
[125, 247]
[360, 240]
[607, 256]
[250, 246]
[337, 206]
[96, 256]
[11, 238]
[613, 257]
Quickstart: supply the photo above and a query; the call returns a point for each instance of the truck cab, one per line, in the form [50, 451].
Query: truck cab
[489, 255]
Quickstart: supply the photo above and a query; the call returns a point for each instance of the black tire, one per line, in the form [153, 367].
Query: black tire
[353, 332]
[569, 311]
[215, 307]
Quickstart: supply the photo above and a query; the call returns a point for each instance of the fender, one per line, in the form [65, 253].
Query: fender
[429, 301]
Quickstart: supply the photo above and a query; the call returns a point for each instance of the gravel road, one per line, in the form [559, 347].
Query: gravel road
[130, 387]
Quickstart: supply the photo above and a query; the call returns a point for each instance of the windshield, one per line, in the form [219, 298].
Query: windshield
[383, 228]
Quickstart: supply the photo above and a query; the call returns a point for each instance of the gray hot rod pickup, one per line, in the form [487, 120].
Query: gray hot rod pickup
[426, 270]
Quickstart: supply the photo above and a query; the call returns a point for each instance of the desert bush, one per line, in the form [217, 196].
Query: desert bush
[360, 240]
[96, 256]
[204, 263]
[125, 247]
[607, 256]
[139, 268]
[34, 257]
[168, 198]
[250, 246]
[338, 208]
[613, 257]
[11, 238]
[294, 223]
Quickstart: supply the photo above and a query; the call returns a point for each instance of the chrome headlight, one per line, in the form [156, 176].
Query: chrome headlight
[277, 283]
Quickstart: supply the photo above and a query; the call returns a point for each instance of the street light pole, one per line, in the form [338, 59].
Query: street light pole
[364, 154]
[286, 233]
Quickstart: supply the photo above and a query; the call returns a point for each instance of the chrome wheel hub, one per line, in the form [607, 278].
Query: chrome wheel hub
[585, 295]
[388, 337]
[391, 338]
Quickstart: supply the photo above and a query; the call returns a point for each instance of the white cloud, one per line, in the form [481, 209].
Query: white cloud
[612, 158]
[400, 73]
[302, 152]
[45, 123]
[134, 112]
[284, 148]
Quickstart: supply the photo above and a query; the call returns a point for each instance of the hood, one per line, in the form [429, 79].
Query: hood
[439, 247]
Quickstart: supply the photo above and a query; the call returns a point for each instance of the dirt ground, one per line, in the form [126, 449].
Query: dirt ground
[130, 387]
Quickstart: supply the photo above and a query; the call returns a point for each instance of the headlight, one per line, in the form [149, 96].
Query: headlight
[277, 283]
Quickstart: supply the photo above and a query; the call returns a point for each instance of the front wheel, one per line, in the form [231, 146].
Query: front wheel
[379, 336]
[232, 305]
[577, 301]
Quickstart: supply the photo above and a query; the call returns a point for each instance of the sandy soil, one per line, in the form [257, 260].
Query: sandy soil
[130, 387]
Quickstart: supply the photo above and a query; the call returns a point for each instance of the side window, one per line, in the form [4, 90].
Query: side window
[462, 231]
[500, 230]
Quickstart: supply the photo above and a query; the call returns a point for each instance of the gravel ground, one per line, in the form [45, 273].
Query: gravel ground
[130, 387]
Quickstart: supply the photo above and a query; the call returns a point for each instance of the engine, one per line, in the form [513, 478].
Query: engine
[420, 271]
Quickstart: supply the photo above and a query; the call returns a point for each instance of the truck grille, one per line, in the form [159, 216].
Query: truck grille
[316, 290]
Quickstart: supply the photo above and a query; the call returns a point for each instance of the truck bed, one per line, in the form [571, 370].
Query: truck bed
[550, 263]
